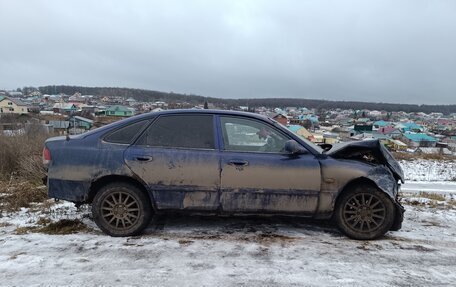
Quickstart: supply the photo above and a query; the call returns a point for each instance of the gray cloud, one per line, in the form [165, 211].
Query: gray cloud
[387, 51]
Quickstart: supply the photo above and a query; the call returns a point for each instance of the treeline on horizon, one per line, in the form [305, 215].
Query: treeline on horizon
[149, 95]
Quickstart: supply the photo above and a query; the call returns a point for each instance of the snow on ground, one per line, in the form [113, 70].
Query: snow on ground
[429, 170]
[198, 251]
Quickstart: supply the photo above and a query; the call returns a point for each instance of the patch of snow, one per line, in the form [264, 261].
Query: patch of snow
[198, 251]
[26, 217]
[429, 170]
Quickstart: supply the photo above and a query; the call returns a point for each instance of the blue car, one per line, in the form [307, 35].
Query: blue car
[222, 163]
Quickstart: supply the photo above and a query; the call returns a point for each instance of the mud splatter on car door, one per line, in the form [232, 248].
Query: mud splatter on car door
[177, 159]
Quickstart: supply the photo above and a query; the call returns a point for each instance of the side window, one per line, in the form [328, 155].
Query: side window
[182, 131]
[127, 134]
[240, 134]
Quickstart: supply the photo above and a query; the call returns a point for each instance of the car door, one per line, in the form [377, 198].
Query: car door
[258, 176]
[176, 158]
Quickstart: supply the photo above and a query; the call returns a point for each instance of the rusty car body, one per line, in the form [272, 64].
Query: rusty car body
[224, 163]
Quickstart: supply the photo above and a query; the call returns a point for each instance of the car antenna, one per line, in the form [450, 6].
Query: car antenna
[68, 132]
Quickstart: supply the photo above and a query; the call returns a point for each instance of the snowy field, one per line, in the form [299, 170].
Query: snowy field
[429, 170]
[430, 176]
[199, 251]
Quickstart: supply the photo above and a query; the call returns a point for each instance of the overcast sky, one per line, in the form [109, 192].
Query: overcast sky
[385, 51]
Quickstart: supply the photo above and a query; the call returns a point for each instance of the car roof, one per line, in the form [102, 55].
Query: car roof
[208, 111]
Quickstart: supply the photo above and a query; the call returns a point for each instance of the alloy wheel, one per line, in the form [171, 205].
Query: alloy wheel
[364, 212]
[120, 210]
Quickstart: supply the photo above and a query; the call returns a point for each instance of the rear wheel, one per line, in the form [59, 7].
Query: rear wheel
[364, 212]
[121, 209]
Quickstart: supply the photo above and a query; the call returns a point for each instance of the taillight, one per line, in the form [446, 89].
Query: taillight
[46, 156]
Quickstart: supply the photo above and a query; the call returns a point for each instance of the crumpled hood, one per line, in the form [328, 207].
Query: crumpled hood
[359, 149]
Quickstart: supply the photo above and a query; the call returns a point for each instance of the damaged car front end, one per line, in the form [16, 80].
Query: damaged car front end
[364, 163]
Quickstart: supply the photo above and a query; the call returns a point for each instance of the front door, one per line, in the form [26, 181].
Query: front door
[258, 176]
[177, 159]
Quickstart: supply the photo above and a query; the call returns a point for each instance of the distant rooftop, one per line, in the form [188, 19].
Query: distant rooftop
[417, 137]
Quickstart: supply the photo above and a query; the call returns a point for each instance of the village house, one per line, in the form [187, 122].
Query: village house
[60, 126]
[64, 108]
[419, 140]
[81, 122]
[78, 98]
[433, 151]
[281, 118]
[88, 109]
[301, 131]
[343, 133]
[397, 145]
[160, 104]
[119, 111]
[380, 124]
[390, 131]
[376, 114]
[410, 127]
[362, 128]
[105, 99]
[330, 138]
[12, 106]
[130, 102]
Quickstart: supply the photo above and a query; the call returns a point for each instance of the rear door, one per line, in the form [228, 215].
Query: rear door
[176, 157]
[258, 176]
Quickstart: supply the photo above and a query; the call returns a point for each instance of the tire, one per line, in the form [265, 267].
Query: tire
[121, 209]
[364, 213]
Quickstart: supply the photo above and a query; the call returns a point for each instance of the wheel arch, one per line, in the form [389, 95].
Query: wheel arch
[356, 182]
[379, 177]
[399, 210]
[103, 181]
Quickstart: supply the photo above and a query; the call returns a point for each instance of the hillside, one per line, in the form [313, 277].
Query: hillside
[149, 95]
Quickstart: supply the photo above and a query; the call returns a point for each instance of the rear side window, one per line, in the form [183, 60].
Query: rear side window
[183, 131]
[127, 134]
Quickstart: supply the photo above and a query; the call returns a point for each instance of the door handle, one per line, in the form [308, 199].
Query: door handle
[143, 158]
[238, 162]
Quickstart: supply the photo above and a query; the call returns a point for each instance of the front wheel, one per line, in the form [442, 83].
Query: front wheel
[364, 213]
[121, 209]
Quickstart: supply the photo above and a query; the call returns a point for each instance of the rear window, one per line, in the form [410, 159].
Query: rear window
[127, 134]
[182, 131]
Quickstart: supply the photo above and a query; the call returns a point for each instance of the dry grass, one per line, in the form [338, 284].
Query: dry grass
[17, 194]
[61, 227]
[43, 221]
[21, 171]
[409, 156]
[20, 156]
[64, 226]
[25, 230]
[433, 196]
[432, 200]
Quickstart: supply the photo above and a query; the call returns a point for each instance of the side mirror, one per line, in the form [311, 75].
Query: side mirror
[326, 146]
[294, 148]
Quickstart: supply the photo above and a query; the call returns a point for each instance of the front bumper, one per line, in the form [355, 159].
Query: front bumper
[399, 218]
